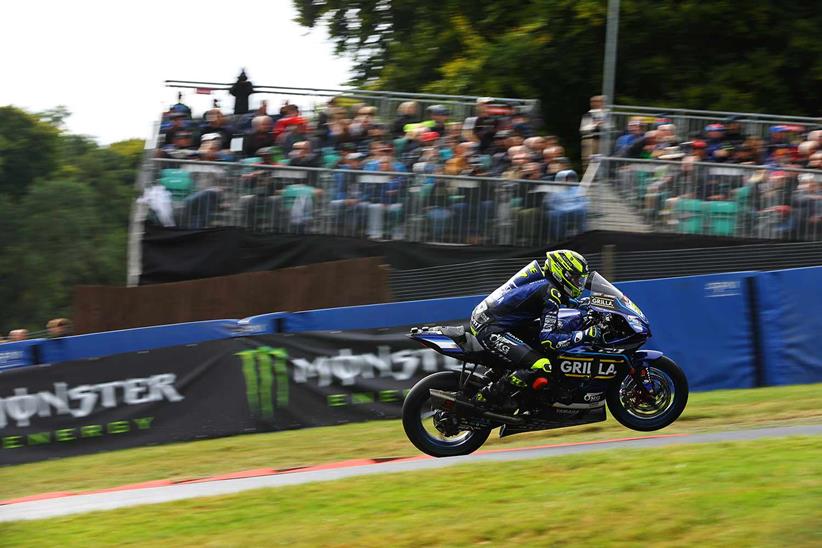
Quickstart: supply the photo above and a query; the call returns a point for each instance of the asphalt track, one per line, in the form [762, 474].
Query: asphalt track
[130, 496]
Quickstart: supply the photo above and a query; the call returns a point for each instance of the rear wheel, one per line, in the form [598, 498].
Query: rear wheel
[419, 419]
[640, 410]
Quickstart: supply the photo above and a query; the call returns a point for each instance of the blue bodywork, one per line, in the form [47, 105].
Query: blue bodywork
[602, 297]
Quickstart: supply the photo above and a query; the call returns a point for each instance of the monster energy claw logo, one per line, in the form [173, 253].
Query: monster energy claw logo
[260, 368]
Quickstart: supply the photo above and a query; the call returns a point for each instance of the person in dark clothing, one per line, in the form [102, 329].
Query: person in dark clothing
[180, 107]
[484, 126]
[734, 133]
[508, 317]
[216, 123]
[407, 114]
[260, 137]
[241, 90]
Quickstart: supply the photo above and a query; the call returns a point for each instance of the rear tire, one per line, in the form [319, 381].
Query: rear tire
[648, 416]
[417, 403]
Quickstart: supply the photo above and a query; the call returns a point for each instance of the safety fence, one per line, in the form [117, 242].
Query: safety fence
[374, 204]
[773, 202]
[690, 122]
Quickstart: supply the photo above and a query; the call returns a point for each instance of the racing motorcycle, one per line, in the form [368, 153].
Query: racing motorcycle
[644, 390]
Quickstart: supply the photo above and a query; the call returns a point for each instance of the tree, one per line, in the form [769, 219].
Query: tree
[27, 150]
[761, 57]
[67, 224]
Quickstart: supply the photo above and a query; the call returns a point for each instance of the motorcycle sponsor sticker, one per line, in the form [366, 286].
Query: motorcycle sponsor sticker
[585, 368]
[605, 302]
[593, 397]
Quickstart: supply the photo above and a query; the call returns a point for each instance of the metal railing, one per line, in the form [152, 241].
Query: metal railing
[386, 102]
[422, 207]
[720, 199]
[689, 122]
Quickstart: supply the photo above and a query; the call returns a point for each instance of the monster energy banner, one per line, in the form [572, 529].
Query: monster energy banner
[213, 389]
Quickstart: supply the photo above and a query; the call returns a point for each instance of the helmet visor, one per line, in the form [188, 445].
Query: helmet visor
[578, 280]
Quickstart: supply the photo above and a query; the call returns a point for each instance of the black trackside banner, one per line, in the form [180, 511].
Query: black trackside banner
[212, 389]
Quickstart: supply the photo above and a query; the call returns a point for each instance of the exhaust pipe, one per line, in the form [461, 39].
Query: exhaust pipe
[447, 401]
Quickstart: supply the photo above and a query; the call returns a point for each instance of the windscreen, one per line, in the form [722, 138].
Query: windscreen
[605, 295]
[599, 285]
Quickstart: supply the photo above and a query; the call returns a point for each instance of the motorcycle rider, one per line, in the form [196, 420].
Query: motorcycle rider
[510, 314]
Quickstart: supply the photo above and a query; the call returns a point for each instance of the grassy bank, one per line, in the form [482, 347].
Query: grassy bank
[706, 411]
[763, 493]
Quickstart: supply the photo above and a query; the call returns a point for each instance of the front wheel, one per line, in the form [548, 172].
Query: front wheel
[640, 410]
[418, 420]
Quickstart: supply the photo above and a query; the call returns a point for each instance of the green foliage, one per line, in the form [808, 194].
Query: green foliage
[27, 150]
[763, 57]
[65, 221]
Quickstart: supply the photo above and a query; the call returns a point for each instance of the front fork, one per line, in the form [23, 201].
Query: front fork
[644, 386]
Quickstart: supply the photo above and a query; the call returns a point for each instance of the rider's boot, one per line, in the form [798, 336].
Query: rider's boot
[500, 392]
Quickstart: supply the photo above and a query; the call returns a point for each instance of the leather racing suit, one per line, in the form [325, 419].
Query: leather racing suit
[518, 323]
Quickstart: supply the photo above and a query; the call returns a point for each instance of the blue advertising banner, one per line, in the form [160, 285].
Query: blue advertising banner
[791, 323]
[703, 324]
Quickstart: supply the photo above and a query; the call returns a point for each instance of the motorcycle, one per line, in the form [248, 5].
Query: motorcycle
[643, 389]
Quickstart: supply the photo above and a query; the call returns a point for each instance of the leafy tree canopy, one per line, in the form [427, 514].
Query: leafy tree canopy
[64, 210]
[760, 57]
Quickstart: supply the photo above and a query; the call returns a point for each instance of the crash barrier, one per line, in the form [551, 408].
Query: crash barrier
[386, 204]
[691, 122]
[325, 367]
[313, 100]
[337, 283]
[769, 202]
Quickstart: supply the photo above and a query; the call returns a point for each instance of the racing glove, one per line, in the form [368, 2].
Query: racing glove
[591, 334]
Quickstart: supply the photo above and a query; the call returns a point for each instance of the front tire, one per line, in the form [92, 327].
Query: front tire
[644, 414]
[417, 420]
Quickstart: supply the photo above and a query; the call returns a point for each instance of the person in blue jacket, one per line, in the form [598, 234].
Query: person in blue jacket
[507, 316]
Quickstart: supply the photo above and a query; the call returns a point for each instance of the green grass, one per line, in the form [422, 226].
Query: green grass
[762, 493]
[720, 410]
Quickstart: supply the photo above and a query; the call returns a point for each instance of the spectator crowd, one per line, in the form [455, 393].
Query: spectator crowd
[416, 146]
[422, 173]
[713, 177]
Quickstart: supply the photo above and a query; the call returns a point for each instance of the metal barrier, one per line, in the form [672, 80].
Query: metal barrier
[720, 199]
[373, 204]
[690, 122]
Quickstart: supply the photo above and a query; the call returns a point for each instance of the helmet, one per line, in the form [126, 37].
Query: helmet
[568, 269]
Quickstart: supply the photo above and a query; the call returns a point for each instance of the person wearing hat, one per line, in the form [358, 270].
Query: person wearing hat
[437, 118]
[715, 140]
